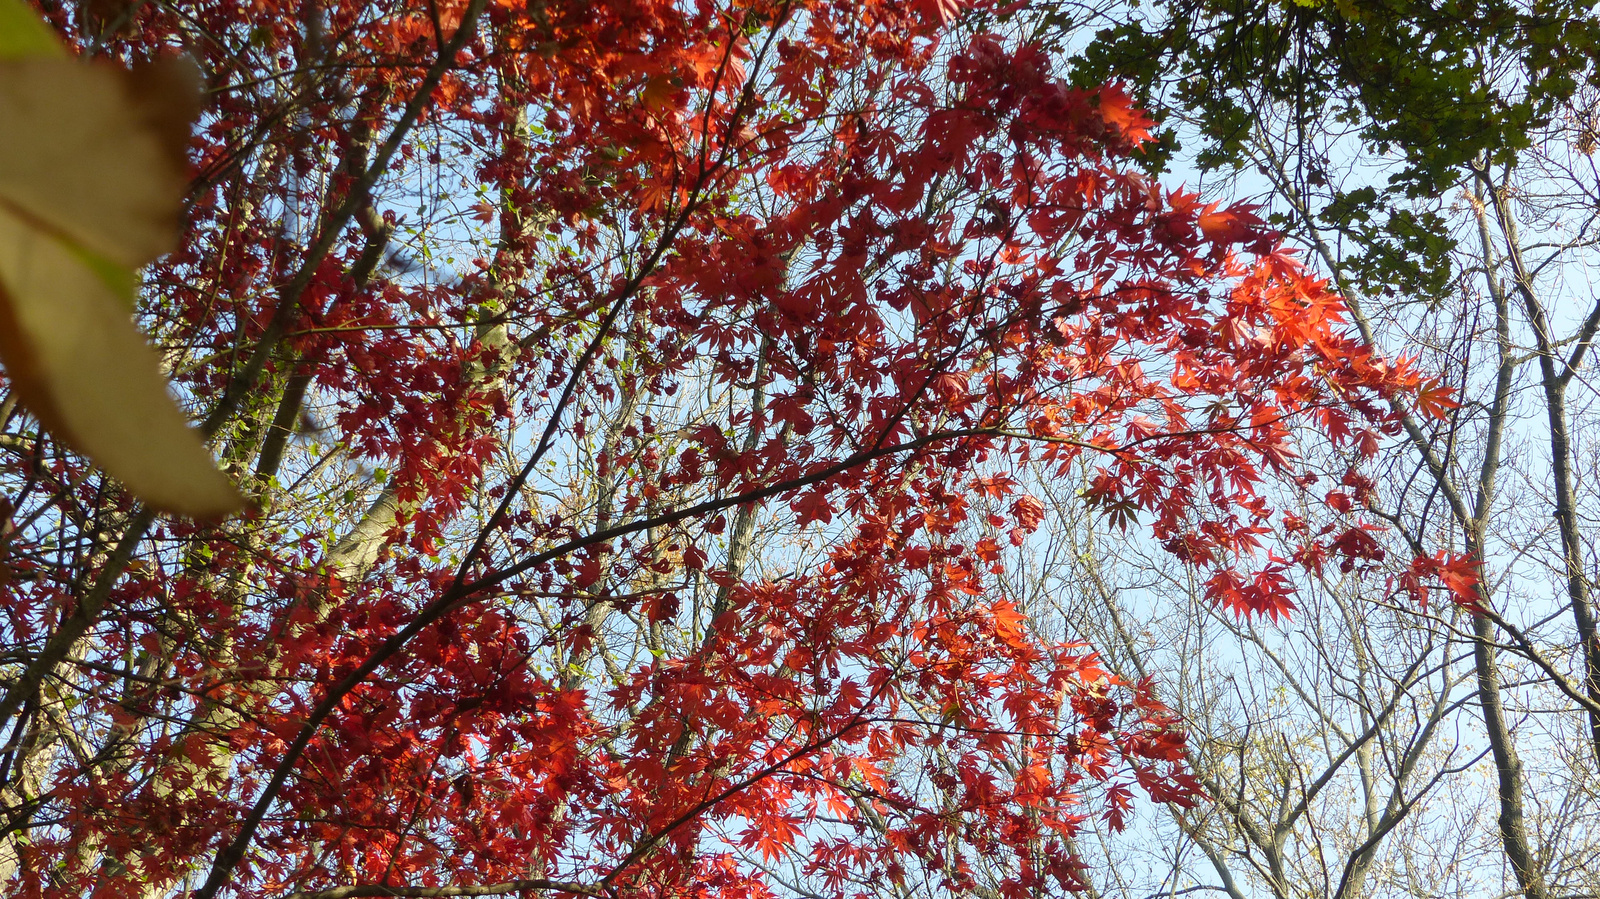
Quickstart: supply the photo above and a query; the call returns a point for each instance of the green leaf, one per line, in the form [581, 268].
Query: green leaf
[24, 34]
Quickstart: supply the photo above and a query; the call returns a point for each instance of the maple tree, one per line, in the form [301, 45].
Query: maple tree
[637, 402]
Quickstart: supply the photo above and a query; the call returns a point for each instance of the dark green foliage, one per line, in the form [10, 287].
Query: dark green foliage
[1425, 87]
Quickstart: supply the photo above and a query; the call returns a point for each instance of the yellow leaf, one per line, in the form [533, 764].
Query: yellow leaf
[76, 359]
[22, 33]
[95, 153]
[92, 174]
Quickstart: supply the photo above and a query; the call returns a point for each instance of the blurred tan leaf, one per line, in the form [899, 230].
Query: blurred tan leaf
[91, 152]
[91, 182]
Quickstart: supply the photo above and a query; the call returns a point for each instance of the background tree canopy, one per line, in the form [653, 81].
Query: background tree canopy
[1436, 161]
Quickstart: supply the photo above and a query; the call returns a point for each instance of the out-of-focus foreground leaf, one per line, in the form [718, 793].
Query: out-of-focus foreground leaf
[91, 182]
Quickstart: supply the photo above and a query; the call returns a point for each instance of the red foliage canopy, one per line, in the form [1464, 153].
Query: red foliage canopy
[674, 373]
